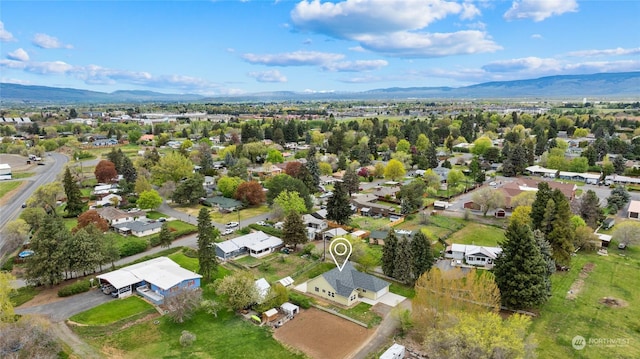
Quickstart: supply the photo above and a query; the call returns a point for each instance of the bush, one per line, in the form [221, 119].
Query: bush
[308, 249]
[187, 338]
[300, 300]
[268, 230]
[190, 252]
[133, 246]
[8, 265]
[80, 286]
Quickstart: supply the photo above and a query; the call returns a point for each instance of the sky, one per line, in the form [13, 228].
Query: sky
[229, 47]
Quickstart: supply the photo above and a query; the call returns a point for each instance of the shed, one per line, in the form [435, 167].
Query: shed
[396, 351]
[501, 213]
[286, 281]
[290, 309]
[605, 239]
[608, 223]
[440, 205]
[270, 315]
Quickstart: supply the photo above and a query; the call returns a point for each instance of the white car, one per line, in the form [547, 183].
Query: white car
[227, 232]
[231, 225]
[261, 223]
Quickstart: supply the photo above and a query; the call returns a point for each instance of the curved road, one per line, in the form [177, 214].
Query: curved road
[54, 164]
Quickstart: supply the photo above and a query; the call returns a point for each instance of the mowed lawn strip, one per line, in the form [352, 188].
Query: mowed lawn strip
[114, 311]
[561, 319]
[478, 234]
[6, 187]
[189, 263]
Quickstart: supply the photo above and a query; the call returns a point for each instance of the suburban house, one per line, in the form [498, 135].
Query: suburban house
[588, 178]
[5, 171]
[223, 204]
[514, 188]
[268, 171]
[387, 193]
[105, 189]
[334, 233]
[473, 255]
[366, 206]
[115, 216]
[139, 228]
[108, 200]
[315, 226]
[256, 244]
[154, 279]
[347, 285]
[618, 179]
[634, 210]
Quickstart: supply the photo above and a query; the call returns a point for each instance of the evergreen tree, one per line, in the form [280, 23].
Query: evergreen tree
[590, 209]
[74, 196]
[342, 162]
[116, 156]
[351, 181]
[313, 167]
[166, 237]
[206, 244]
[547, 254]
[520, 270]
[190, 190]
[83, 250]
[127, 169]
[403, 261]
[539, 205]
[432, 156]
[338, 206]
[389, 253]
[48, 262]
[294, 231]
[421, 254]
[562, 235]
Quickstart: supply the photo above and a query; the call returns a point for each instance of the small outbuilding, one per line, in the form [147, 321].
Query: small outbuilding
[396, 351]
[608, 223]
[290, 309]
[270, 315]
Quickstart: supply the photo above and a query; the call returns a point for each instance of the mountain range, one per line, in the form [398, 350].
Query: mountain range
[624, 86]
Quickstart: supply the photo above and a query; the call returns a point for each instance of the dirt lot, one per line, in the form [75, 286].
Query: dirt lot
[17, 163]
[322, 335]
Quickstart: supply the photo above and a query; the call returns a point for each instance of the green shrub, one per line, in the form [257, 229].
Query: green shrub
[190, 252]
[8, 265]
[80, 286]
[133, 246]
[268, 230]
[300, 300]
[308, 249]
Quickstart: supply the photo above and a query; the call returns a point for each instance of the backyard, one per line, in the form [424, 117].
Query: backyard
[477, 234]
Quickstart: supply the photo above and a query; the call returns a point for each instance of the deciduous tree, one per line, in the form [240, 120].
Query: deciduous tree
[182, 305]
[238, 290]
[149, 200]
[627, 232]
[190, 190]
[229, 185]
[171, 167]
[394, 170]
[105, 172]
[283, 182]
[251, 192]
[488, 199]
[290, 202]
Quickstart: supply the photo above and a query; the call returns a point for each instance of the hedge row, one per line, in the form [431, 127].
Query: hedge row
[80, 286]
[300, 300]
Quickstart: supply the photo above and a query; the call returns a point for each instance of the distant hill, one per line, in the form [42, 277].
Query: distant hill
[624, 85]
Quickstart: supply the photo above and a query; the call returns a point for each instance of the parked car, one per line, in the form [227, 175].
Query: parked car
[227, 232]
[24, 205]
[232, 225]
[108, 289]
[261, 223]
[622, 246]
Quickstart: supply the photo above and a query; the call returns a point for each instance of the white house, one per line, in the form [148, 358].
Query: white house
[115, 216]
[257, 244]
[104, 189]
[314, 225]
[108, 200]
[634, 210]
[473, 255]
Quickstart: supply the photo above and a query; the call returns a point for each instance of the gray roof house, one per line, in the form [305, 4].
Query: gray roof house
[257, 244]
[347, 285]
[139, 228]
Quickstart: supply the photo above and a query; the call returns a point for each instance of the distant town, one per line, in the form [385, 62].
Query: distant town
[477, 228]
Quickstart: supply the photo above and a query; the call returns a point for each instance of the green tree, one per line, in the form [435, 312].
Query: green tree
[313, 167]
[282, 182]
[290, 202]
[229, 185]
[403, 260]
[520, 269]
[338, 205]
[171, 167]
[48, 262]
[351, 181]
[481, 145]
[6, 307]
[74, 196]
[389, 253]
[294, 231]
[274, 156]
[590, 209]
[421, 254]
[616, 200]
[207, 235]
[454, 178]
[165, 237]
[238, 290]
[539, 205]
[142, 184]
[403, 146]
[46, 197]
[488, 199]
[561, 236]
[394, 170]
[149, 200]
[190, 190]
[82, 250]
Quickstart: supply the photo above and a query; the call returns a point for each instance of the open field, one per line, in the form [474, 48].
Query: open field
[114, 311]
[278, 266]
[561, 319]
[477, 234]
[7, 187]
[317, 334]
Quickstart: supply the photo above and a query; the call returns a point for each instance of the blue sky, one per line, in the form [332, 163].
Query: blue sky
[234, 47]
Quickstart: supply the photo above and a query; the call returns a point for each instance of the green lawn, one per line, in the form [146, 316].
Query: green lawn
[184, 261]
[20, 175]
[361, 312]
[182, 226]
[370, 223]
[477, 234]
[113, 311]
[562, 319]
[23, 294]
[281, 265]
[244, 213]
[6, 187]
[156, 215]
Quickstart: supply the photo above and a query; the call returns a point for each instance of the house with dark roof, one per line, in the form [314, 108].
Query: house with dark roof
[139, 228]
[347, 285]
[223, 204]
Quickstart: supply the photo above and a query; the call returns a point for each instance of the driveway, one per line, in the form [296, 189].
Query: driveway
[63, 309]
[390, 299]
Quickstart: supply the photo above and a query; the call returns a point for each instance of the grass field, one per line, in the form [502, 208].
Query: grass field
[562, 319]
[477, 234]
[279, 266]
[113, 311]
[361, 312]
[20, 175]
[6, 187]
[184, 261]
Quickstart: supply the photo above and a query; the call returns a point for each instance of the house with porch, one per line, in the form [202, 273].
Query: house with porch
[473, 255]
[346, 286]
[257, 244]
[315, 226]
[155, 279]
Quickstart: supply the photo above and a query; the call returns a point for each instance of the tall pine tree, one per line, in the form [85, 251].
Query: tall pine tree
[403, 260]
[294, 231]
[48, 262]
[313, 167]
[539, 205]
[520, 270]
[338, 206]
[165, 237]
[74, 196]
[206, 246]
[389, 253]
[422, 256]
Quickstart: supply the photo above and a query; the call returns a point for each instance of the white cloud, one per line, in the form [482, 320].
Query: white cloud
[46, 68]
[536, 36]
[378, 24]
[297, 58]
[539, 10]
[14, 81]
[408, 44]
[619, 51]
[525, 63]
[268, 76]
[18, 55]
[5, 36]
[531, 67]
[355, 66]
[49, 42]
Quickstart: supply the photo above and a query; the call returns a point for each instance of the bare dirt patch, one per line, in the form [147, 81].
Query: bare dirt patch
[322, 335]
[614, 302]
[576, 287]
[46, 296]
[18, 163]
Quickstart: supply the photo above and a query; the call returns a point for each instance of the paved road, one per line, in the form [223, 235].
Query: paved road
[54, 164]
